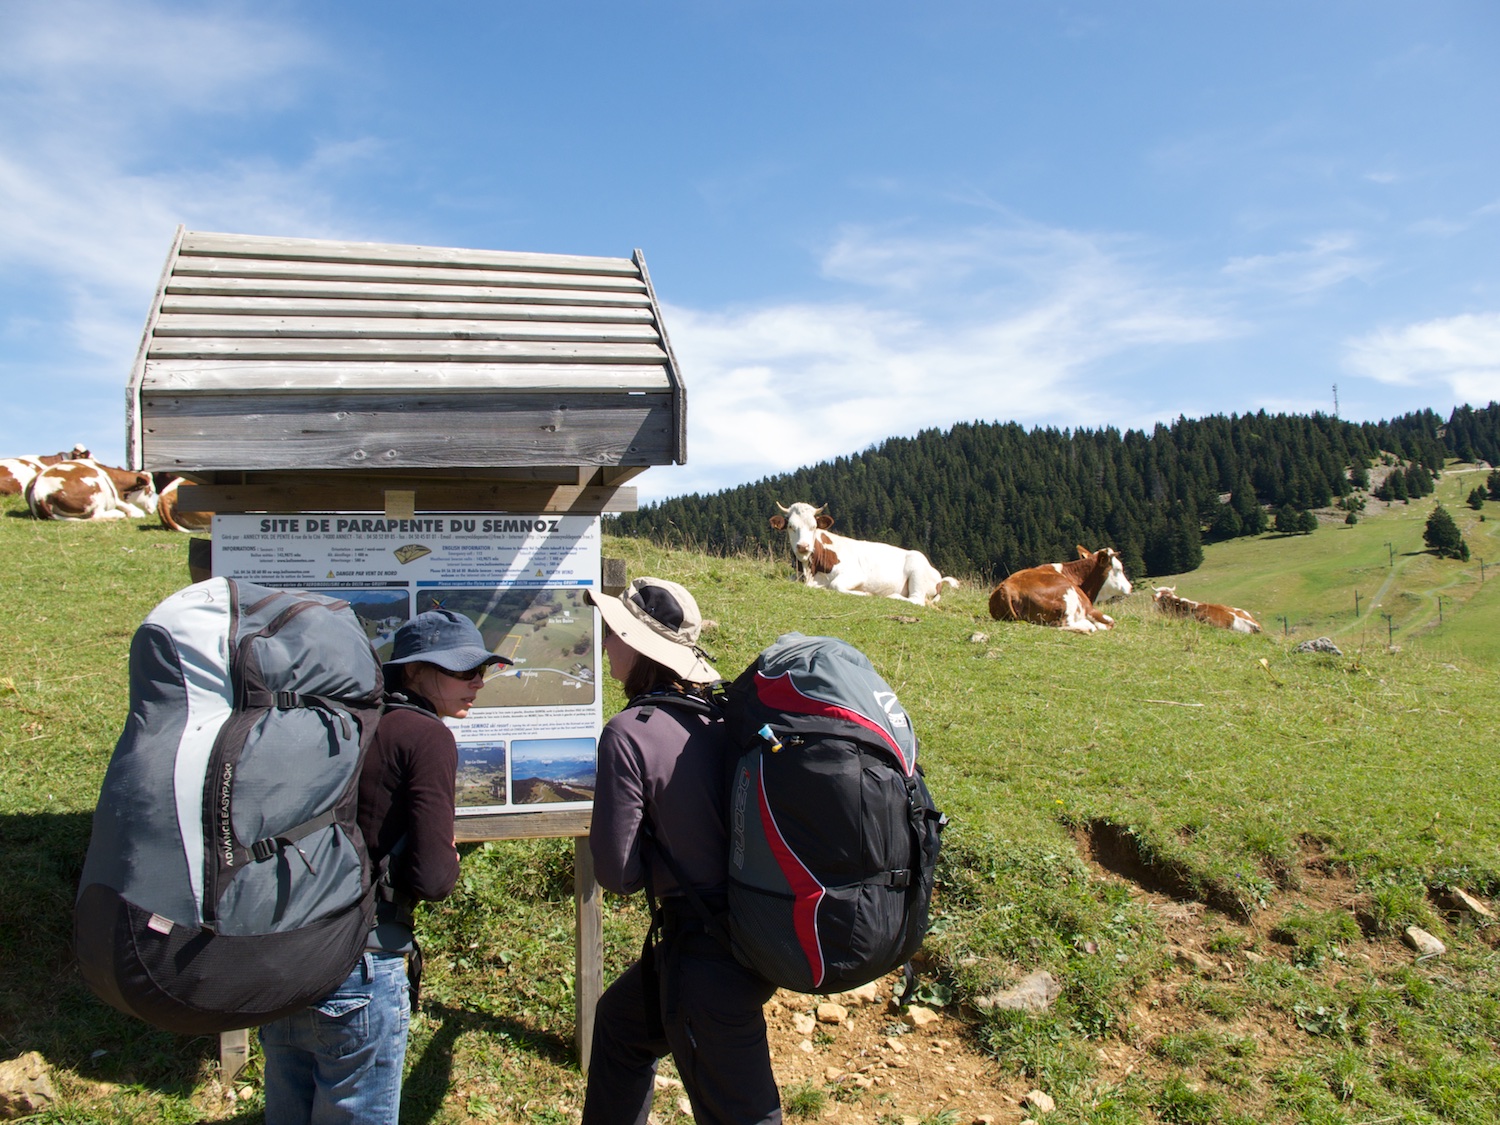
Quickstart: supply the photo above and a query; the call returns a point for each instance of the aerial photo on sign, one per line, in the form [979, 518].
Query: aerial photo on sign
[547, 632]
[481, 774]
[552, 770]
[381, 612]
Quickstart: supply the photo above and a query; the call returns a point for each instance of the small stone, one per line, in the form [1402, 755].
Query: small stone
[864, 994]
[978, 638]
[1039, 1101]
[246, 1093]
[1035, 993]
[984, 1119]
[1192, 959]
[829, 1012]
[803, 1024]
[832, 1074]
[1254, 958]
[1424, 943]
[684, 1107]
[666, 1082]
[25, 1086]
[895, 1044]
[1464, 902]
[805, 1046]
[863, 1083]
[919, 1017]
[1322, 644]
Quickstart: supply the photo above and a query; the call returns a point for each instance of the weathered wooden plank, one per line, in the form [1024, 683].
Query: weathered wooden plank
[234, 1053]
[212, 305]
[401, 291]
[358, 273]
[319, 249]
[138, 369]
[258, 377]
[199, 433]
[336, 492]
[523, 825]
[588, 949]
[679, 399]
[395, 328]
[452, 351]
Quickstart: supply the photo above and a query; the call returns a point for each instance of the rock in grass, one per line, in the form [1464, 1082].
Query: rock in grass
[1424, 943]
[1463, 902]
[829, 1012]
[1039, 1101]
[25, 1086]
[1322, 644]
[1034, 993]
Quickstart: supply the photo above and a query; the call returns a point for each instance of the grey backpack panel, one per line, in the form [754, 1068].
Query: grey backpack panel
[227, 882]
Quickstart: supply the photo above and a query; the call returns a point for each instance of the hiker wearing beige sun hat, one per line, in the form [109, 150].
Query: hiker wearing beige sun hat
[660, 620]
[660, 815]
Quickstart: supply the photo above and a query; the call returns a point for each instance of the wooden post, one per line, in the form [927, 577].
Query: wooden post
[234, 1053]
[588, 949]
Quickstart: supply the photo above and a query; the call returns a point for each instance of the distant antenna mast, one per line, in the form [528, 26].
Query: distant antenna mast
[1335, 400]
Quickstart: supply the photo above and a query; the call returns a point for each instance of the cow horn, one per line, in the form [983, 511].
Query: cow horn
[784, 511]
[820, 509]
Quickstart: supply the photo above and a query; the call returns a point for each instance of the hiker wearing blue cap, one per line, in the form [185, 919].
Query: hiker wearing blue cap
[340, 1060]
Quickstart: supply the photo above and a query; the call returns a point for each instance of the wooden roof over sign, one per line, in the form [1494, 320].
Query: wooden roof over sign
[279, 355]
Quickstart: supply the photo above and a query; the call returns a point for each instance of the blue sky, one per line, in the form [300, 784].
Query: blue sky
[863, 218]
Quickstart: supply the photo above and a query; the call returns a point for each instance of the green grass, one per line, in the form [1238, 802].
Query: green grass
[1212, 765]
[1304, 586]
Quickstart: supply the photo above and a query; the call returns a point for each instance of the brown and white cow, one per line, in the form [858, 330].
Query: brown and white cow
[854, 566]
[1063, 595]
[87, 490]
[173, 517]
[1210, 613]
[17, 472]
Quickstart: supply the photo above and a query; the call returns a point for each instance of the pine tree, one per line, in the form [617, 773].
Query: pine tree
[1307, 522]
[1288, 520]
[1476, 498]
[1442, 535]
[1492, 482]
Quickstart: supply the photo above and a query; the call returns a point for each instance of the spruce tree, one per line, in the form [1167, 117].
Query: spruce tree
[1476, 498]
[1492, 482]
[1442, 535]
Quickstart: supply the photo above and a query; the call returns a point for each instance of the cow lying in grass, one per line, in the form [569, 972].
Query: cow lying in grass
[87, 490]
[1063, 595]
[853, 566]
[17, 472]
[173, 517]
[1210, 613]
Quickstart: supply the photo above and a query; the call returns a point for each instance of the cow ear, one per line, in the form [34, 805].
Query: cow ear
[825, 522]
[778, 523]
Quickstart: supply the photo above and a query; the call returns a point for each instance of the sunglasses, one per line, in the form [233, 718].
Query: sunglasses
[471, 675]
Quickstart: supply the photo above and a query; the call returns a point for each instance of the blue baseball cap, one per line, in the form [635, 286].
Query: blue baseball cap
[442, 637]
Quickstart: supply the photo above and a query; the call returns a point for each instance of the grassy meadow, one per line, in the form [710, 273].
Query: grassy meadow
[1213, 843]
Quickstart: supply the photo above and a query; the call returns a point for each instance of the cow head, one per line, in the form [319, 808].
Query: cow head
[1116, 584]
[801, 522]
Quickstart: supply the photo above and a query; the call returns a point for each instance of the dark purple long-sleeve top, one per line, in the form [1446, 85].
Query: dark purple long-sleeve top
[660, 766]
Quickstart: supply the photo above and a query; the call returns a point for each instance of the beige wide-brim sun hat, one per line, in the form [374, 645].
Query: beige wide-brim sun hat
[660, 620]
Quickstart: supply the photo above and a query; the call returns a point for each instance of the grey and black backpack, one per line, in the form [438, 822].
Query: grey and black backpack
[833, 835]
[227, 883]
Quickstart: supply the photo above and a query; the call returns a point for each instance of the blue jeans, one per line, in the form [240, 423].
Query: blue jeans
[340, 1060]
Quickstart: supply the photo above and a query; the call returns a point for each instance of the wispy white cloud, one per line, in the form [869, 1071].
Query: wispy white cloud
[1324, 262]
[987, 324]
[1457, 356]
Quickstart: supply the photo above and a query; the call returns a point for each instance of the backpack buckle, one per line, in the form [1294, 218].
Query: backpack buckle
[287, 700]
[263, 849]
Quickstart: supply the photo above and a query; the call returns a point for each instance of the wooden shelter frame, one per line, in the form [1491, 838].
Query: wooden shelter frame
[291, 376]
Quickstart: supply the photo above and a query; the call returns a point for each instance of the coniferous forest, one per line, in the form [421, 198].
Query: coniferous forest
[990, 498]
